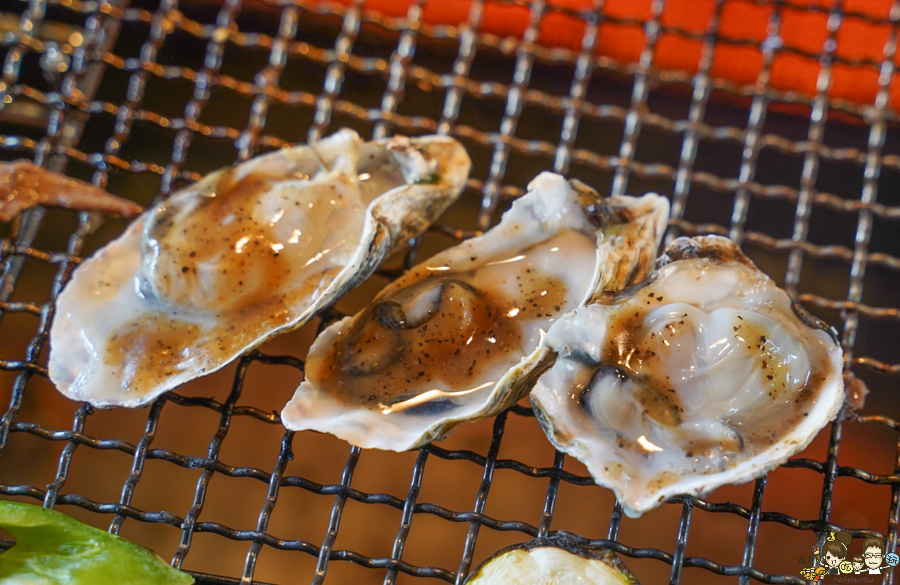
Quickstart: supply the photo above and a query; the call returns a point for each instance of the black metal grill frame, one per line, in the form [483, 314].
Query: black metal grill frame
[72, 106]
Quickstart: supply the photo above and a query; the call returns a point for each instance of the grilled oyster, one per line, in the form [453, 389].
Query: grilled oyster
[704, 374]
[240, 256]
[552, 560]
[457, 337]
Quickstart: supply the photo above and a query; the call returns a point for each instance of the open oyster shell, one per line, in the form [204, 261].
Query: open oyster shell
[704, 374]
[457, 338]
[556, 559]
[245, 253]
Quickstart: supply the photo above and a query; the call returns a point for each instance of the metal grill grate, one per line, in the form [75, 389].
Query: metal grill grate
[157, 94]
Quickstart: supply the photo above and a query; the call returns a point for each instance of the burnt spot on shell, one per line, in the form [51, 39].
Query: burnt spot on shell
[603, 215]
[614, 297]
[716, 248]
[569, 543]
[599, 212]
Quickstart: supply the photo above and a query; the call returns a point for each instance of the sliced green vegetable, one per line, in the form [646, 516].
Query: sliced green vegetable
[53, 549]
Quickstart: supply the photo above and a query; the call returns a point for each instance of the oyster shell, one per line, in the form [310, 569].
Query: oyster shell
[240, 256]
[552, 560]
[704, 374]
[457, 338]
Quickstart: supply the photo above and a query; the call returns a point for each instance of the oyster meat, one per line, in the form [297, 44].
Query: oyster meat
[240, 256]
[556, 559]
[706, 373]
[457, 338]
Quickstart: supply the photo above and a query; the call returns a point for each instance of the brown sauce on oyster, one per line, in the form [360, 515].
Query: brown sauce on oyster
[460, 336]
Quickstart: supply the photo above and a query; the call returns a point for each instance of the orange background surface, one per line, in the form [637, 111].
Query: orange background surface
[743, 24]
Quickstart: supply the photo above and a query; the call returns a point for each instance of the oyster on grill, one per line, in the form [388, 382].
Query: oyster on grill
[457, 337]
[556, 559]
[704, 374]
[245, 253]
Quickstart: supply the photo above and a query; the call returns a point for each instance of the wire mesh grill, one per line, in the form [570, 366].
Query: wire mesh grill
[154, 94]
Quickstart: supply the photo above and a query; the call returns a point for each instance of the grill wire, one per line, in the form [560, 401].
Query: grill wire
[69, 106]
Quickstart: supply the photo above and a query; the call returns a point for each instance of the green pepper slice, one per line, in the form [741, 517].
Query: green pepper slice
[54, 549]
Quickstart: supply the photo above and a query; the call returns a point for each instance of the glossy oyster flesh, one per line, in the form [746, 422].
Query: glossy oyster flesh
[457, 338]
[552, 560]
[243, 254]
[704, 374]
